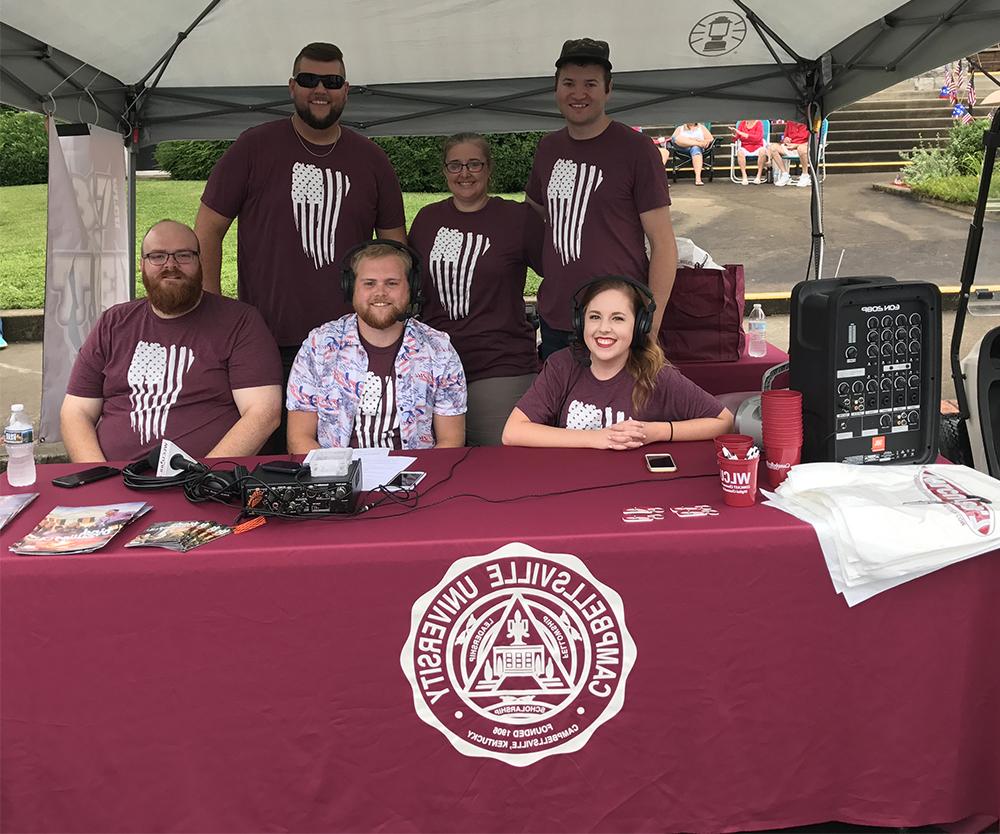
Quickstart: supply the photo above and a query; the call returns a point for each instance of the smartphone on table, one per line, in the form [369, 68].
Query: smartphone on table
[405, 480]
[660, 463]
[87, 476]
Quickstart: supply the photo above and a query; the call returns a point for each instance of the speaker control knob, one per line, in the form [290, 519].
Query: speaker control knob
[843, 388]
[914, 318]
[851, 352]
[885, 421]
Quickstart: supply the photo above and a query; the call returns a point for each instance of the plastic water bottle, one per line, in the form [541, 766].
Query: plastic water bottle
[19, 438]
[757, 325]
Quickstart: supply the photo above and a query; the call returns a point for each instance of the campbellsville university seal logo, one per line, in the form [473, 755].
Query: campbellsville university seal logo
[518, 655]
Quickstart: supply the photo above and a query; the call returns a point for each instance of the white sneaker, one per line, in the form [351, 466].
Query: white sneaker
[804, 181]
[782, 178]
[757, 180]
[745, 181]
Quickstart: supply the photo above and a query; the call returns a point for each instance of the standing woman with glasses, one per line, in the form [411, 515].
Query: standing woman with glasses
[475, 251]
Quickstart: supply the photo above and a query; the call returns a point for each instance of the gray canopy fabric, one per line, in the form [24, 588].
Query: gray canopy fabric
[196, 69]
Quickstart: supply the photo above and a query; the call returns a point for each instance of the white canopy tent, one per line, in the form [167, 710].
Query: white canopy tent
[436, 66]
[202, 69]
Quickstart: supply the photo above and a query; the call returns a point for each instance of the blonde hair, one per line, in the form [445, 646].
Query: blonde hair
[381, 250]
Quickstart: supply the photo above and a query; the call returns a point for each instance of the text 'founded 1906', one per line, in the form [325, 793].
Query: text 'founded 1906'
[518, 655]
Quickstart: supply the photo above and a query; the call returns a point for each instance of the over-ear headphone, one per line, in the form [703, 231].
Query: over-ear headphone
[643, 318]
[347, 276]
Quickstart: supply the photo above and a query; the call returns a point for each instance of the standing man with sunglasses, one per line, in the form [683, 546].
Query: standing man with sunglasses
[306, 190]
[599, 185]
[180, 364]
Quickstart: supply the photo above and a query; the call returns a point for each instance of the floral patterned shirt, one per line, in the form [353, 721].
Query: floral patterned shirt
[330, 369]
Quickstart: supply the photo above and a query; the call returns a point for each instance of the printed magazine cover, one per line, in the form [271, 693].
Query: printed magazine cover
[11, 505]
[180, 535]
[78, 529]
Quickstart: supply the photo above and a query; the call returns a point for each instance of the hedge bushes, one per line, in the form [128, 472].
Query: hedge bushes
[189, 160]
[961, 155]
[24, 148]
[417, 160]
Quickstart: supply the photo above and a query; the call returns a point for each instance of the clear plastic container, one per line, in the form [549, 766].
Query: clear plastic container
[757, 329]
[19, 438]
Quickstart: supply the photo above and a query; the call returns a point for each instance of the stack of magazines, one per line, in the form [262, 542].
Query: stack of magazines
[78, 529]
[180, 535]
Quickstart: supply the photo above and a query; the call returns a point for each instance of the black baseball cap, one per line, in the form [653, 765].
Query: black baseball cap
[585, 51]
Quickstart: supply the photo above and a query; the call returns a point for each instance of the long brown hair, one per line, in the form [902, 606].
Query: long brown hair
[644, 362]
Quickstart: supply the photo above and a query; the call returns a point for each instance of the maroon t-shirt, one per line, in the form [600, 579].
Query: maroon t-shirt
[568, 395]
[474, 265]
[172, 378]
[376, 422]
[594, 191]
[300, 208]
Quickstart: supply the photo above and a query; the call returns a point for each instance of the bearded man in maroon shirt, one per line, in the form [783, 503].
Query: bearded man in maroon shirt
[181, 364]
[599, 185]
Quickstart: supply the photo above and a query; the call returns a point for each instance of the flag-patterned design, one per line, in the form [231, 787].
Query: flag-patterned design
[571, 186]
[950, 83]
[377, 419]
[960, 111]
[453, 260]
[589, 417]
[972, 90]
[155, 379]
[960, 81]
[317, 198]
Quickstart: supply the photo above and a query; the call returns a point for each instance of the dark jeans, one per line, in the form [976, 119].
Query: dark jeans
[552, 340]
[277, 443]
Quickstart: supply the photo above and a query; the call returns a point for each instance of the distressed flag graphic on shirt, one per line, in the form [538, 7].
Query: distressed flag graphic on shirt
[571, 185]
[317, 198]
[453, 260]
[589, 417]
[155, 379]
[377, 419]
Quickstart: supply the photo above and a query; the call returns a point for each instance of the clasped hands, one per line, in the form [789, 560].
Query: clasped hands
[629, 434]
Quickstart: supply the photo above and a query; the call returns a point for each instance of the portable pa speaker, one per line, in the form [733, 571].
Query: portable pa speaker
[866, 355]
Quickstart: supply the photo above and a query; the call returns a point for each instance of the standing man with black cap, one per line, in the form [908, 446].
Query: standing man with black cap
[600, 187]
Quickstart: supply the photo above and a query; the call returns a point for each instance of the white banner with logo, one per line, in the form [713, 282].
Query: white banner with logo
[86, 258]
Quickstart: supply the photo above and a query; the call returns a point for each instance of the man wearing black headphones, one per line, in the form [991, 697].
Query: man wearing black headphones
[377, 377]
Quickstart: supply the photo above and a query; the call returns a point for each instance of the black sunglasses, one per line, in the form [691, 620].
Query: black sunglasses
[311, 79]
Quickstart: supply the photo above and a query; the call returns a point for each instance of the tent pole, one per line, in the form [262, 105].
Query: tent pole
[133, 157]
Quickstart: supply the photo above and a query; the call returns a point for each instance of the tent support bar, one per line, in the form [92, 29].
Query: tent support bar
[12, 79]
[133, 156]
[930, 30]
[161, 64]
[759, 25]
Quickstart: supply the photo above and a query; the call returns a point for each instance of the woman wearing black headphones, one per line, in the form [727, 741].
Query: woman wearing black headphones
[613, 389]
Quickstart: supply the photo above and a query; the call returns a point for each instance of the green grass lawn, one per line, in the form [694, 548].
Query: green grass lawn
[22, 234]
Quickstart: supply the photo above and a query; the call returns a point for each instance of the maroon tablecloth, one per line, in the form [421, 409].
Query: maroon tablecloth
[743, 375]
[255, 683]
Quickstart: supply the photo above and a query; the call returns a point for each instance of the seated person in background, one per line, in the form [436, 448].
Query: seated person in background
[475, 252]
[750, 132]
[693, 138]
[661, 146]
[796, 138]
[181, 364]
[613, 389]
[377, 377]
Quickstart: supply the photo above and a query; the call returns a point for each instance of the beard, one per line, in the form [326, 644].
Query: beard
[319, 124]
[381, 318]
[174, 297]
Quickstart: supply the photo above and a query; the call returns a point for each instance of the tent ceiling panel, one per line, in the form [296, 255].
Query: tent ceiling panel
[252, 42]
[438, 66]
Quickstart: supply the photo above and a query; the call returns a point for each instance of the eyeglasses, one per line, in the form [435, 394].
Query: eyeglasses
[474, 166]
[311, 79]
[182, 257]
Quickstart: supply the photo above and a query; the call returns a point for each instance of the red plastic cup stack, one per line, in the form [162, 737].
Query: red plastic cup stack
[781, 416]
